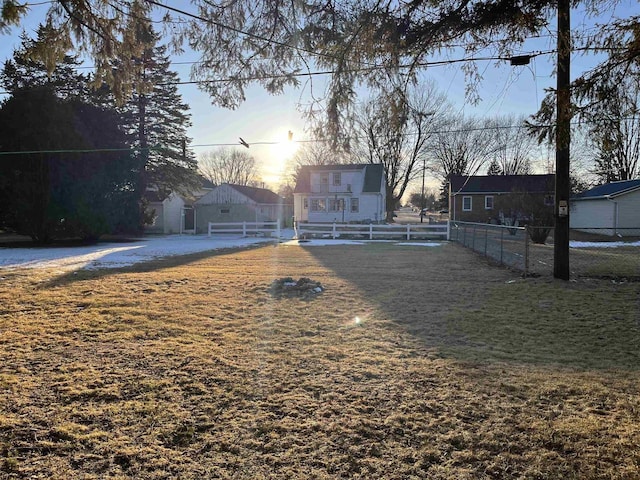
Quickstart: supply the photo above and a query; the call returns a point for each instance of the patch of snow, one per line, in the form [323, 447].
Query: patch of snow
[323, 242]
[116, 255]
[576, 244]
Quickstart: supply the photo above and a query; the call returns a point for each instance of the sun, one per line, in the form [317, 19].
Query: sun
[281, 150]
[284, 146]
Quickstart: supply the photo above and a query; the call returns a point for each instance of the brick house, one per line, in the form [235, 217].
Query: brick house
[477, 198]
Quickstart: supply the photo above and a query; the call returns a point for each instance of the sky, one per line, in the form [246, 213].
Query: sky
[265, 118]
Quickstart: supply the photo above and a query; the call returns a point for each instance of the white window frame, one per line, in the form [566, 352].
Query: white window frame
[305, 203]
[488, 199]
[318, 204]
[470, 207]
[335, 204]
[337, 179]
[354, 205]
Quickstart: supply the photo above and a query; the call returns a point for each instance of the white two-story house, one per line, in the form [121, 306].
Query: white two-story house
[340, 193]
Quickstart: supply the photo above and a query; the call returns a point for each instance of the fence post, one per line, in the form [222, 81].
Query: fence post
[486, 240]
[278, 228]
[526, 250]
[448, 230]
[408, 232]
[333, 233]
[501, 244]
[371, 231]
[244, 229]
[209, 229]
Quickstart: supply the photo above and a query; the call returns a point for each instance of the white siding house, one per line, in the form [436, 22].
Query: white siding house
[610, 209]
[239, 203]
[340, 193]
[173, 213]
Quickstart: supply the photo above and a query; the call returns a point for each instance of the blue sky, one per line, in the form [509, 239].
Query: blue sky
[266, 118]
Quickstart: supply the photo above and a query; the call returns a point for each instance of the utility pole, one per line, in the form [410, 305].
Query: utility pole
[563, 140]
[422, 207]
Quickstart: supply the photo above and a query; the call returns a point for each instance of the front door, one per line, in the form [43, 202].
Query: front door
[189, 220]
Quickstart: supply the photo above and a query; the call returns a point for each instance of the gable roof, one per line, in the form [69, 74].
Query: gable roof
[258, 195]
[607, 190]
[373, 174]
[485, 184]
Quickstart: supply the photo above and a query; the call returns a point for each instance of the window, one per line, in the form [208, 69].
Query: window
[324, 179]
[355, 205]
[488, 202]
[318, 205]
[466, 204]
[224, 210]
[305, 203]
[336, 179]
[335, 204]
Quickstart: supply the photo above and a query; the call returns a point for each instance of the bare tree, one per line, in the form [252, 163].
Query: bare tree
[513, 145]
[226, 165]
[395, 129]
[615, 133]
[462, 147]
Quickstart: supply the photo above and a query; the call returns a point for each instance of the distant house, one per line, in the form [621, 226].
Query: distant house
[174, 212]
[340, 193]
[475, 198]
[610, 209]
[229, 203]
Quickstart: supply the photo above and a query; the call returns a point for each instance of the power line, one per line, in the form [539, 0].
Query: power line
[438, 63]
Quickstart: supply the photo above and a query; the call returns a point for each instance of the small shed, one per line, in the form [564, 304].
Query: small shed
[229, 203]
[173, 212]
[609, 209]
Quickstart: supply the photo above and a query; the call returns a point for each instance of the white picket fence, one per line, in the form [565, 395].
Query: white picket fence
[245, 228]
[408, 231]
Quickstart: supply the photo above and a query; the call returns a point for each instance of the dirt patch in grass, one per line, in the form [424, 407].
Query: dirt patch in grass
[412, 363]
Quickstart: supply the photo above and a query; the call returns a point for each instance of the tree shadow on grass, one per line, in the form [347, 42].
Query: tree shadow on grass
[146, 266]
[455, 302]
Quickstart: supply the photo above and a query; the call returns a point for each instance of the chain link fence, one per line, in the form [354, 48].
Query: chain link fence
[592, 254]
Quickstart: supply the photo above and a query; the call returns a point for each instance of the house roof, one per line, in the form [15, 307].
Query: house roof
[372, 175]
[607, 190]
[484, 184]
[258, 195]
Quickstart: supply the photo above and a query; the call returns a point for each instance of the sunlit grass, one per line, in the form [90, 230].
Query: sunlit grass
[412, 363]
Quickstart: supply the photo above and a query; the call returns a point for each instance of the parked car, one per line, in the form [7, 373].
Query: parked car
[444, 212]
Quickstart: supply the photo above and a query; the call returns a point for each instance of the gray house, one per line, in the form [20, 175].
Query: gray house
[228, 203]
[609, 209]
[174, 212]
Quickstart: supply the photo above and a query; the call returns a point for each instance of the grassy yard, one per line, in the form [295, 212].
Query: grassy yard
[414, 362]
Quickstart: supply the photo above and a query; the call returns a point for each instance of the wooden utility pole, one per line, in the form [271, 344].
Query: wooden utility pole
[563, 140]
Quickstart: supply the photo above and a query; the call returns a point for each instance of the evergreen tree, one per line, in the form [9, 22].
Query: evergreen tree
[494, 168]
[156, 120]
[23, 72]
[78, 183]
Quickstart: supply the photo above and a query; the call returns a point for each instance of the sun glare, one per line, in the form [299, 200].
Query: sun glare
[285, 146]
[282, 150]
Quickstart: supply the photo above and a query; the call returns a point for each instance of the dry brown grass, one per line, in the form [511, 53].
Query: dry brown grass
[189, 368]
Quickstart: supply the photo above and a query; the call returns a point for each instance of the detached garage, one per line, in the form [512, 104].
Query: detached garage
[610, 209]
